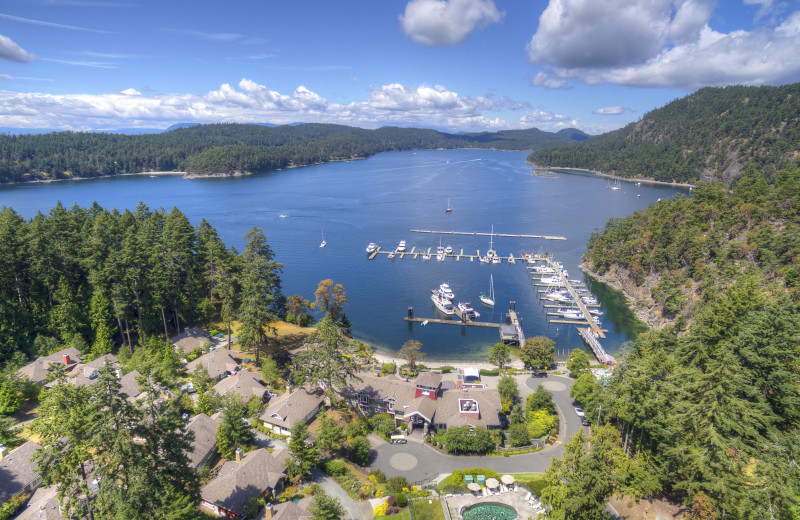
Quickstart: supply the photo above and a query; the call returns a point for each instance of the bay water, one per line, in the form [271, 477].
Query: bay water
[380, 199]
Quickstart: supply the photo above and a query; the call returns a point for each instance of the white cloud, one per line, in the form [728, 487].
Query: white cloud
[610, 111]
[661, 43]
[6, 77]
[446, 22]
[429, 106]
[12, 52]
[51, 24]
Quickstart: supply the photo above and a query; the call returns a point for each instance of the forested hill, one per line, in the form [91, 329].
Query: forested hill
[710, 403]
[714, 133]
[234, 148]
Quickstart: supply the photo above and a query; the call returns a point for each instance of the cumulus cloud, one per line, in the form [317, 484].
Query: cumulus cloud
[610, 111]
[250, 102]
[446, 22]
[12, 52]
[660, 43]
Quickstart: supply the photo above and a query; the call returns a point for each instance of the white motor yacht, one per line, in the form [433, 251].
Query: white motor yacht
[371, 247]
[446, 291]
[443, 304]
[448, 250]
[467, 310]
[401, 247]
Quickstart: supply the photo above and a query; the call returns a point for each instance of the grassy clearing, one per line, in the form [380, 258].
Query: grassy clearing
[425, 511]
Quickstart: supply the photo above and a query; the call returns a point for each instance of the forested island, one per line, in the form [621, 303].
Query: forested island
[235, 148]
[711, 134]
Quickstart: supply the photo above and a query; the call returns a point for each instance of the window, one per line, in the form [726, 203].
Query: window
[390, 405]
[363, 399]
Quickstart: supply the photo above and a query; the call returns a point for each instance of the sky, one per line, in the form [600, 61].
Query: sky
[452, 65]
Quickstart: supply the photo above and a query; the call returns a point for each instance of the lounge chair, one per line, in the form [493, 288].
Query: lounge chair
[527, 496]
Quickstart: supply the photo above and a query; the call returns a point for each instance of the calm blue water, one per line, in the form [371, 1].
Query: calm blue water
[380, 199]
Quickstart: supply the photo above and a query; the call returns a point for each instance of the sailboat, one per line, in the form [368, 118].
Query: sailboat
[323, 243]
[489, 300]
[449, 207]
[491, 253]
[616, 185]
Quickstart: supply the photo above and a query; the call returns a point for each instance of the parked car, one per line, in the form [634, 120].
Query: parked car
[584, 422]
[580, 413]
[539, 373]
[398, 439]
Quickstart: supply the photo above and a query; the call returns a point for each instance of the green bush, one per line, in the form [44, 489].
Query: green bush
[446, 370]
[396, 484]
[383, 424]
[334, 467]
[387, 368]
[358, 428]
[360, 450]
[485, 372]
[518, 435]
[401, 500]
[380, 477]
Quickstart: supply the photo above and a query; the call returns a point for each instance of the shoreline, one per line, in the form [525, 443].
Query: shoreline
[643, 180]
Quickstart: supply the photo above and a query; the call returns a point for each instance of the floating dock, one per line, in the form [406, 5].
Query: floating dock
[440, 321]
[477, 234]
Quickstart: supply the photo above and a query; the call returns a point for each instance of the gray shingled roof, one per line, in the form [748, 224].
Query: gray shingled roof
[236, 482]
[287, 511]
[187, 341]
[448, 412]
[205, 436]
[246, 384]
[216, 362]
[428, 379]
[382, 389]
[17, 470]
[37, 371]
[286, 410]
[43, 505]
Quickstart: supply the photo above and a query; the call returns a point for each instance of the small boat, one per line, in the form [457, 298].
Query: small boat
[371, 247]
[446, 291]
[152, 176]
[440, 251]
[489, 299]
[426, 256]
[511, 259]
[401, 247]
[467, 311]
[443, 304]
[495, 259]
[483, 260]
[449, 208]
[448, 250]
[391, 254]
[440, 257]
[596, 312]
[283, 216]
[323, 243]
[424, 323]
[616, 185]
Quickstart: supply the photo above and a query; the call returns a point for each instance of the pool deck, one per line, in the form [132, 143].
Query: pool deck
[515, 499]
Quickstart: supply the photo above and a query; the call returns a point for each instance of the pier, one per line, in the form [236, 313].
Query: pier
[440, 321]
[477, 234]
[598, 350]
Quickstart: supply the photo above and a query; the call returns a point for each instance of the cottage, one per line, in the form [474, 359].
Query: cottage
[37, 371]
[204, 445]
[252, 474]
[186, 342]
[17, 471]
[285, 411]
[287, 511]
[43, 505]
[86, 374]
[244, 383]
[218, 363]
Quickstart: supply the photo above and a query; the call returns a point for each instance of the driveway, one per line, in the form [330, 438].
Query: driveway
[418, 462]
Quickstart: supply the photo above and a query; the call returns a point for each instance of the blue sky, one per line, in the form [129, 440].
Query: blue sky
[455, 65]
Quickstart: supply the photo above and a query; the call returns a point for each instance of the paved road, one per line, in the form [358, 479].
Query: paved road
[417, 461]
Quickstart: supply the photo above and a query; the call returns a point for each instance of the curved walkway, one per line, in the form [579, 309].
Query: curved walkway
[417, 461]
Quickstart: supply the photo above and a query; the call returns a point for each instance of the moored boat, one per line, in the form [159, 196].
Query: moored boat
[446, 291]
[467, 311]
[443, 304]
[401, 247]
[371, 247]
[488, 299]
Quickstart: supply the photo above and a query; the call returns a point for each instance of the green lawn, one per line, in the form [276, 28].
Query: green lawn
[402, 515]
[425, 511]
[534, 480]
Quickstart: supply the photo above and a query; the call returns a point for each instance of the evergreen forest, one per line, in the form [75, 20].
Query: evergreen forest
[94, 279]
[235, 148]
[711, 134]
[711, 403]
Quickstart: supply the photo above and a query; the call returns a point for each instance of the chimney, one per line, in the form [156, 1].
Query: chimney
[67, 360]
[238, 454]
[268, 512]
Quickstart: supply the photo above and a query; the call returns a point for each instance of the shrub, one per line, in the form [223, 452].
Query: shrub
[381, 510]
[401, 500]
[360, 450]
[334, 467]
[383, 424]
[380, 478]
[392, 511]
[396, 484]
[358, 428]
[485, 372]
[518, 435]
[390, 500]
[387, 368]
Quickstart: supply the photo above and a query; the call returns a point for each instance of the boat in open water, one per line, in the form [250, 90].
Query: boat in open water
[488, 299]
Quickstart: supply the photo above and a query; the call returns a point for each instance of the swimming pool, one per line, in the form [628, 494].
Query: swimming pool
[489, 512]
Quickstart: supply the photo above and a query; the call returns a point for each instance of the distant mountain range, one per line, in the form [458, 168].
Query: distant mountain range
[714, 133]
[235, 148]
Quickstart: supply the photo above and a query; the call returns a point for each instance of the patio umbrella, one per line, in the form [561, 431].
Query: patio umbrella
[492, 483]
[507, 479]
[473, 486]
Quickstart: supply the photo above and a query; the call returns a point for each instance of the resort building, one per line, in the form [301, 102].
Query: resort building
[423, 403]
[219, 363]
[37, 371]
[18, 471]
[186, 342]
[204, 445]
[244, 383]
